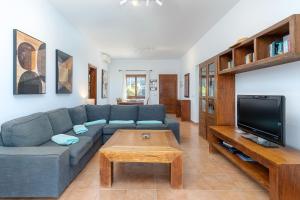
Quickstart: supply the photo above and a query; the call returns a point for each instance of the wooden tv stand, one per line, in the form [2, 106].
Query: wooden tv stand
[276, 169]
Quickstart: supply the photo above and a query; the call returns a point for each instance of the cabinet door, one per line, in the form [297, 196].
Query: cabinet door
[202, 100]
[211, 80]
[211, 88]
[203, 88]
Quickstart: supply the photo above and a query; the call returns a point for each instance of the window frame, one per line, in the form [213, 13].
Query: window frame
[135, 76]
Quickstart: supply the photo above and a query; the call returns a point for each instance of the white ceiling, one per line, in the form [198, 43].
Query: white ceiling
[142, 32]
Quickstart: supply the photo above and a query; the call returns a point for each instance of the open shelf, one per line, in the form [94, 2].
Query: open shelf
[263, 42]
[242, 51]
[224, 60]
[253, 169]
[268, 48]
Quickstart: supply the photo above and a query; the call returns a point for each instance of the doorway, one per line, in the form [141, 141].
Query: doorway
[93, 83]
[168, 92]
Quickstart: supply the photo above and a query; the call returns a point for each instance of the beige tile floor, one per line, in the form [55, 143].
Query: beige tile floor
[206, 177]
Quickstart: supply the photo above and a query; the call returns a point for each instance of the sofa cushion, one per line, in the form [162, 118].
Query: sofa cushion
[60, 120]
[152, 126]
[123, 112]
[111, 128]
[97, 112]
[1, 143]
[152, 112]
[78, 115]
[78, 150]
[32, 130]
[94, 132]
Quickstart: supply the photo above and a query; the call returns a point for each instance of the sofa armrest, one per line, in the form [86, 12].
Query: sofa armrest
[33, 171]
[174, 126]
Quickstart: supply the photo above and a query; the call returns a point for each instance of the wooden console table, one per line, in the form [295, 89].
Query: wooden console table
[276, 169]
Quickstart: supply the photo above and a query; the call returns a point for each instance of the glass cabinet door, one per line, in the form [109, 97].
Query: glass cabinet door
[203, 87]
[211, 106]
[211, 79]
[203, 82]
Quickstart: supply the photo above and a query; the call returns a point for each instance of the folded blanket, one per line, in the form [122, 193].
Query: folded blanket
[146, 122]
[121, 122]
[63, 139]
[79, 129]
[97, 122]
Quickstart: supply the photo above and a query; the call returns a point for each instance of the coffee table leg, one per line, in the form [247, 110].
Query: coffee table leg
[106, 171]
[176, 173]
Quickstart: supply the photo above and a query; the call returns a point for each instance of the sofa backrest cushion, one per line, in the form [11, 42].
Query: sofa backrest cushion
[32, 130]
[152, 112]
[97, 112]
[78, 115]
[120, 112]
[60, 120]
[1, 143]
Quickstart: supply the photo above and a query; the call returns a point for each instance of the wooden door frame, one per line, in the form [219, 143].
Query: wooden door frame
[92, 67]
[160, 87]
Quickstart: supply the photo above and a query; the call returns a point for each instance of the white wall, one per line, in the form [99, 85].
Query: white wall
[157, 67]
[247, 19]
[39, 19]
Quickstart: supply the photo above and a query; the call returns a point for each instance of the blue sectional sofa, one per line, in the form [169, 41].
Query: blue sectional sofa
[31, 165]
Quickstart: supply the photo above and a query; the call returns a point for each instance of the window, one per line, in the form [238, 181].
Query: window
[135, 86]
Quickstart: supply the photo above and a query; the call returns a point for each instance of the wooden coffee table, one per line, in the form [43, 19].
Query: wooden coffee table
[130, 146]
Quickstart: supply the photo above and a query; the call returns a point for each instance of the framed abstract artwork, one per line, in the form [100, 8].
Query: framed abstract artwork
[104, 91]
[29, 64]
[64, 73]
[187, 85]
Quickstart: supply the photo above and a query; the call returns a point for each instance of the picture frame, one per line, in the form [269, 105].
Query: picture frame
[64, 73]
[153, 84]
[104, 85]
[29, 64]
[187, 85]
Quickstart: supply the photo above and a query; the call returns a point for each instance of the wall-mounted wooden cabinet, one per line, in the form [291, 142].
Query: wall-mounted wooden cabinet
[286, 32]
[215, 92]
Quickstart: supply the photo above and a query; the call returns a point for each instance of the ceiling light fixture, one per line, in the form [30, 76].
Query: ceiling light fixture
[137, 2]
[159, 2]
[122, 2]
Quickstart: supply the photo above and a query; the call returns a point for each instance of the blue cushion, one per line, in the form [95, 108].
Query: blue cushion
[63, 139]
[94, 132]
[32, 130]
[80, 129]
[121, 122]
[78, 115]
[149, 122]
[111, 128]
[97, 122]
[123, 112]
[152, 112]
[96, 112]
[60, 120]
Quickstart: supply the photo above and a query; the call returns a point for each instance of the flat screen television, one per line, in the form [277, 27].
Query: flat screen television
[263, 116]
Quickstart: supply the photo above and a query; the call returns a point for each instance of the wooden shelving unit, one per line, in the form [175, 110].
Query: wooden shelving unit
[253, 169]
[276, 169]
[259, 46]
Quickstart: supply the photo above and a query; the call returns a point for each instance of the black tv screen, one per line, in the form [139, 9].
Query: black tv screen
[263, 116]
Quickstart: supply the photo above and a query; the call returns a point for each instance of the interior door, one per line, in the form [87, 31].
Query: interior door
[168, 92]
[93, 83]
